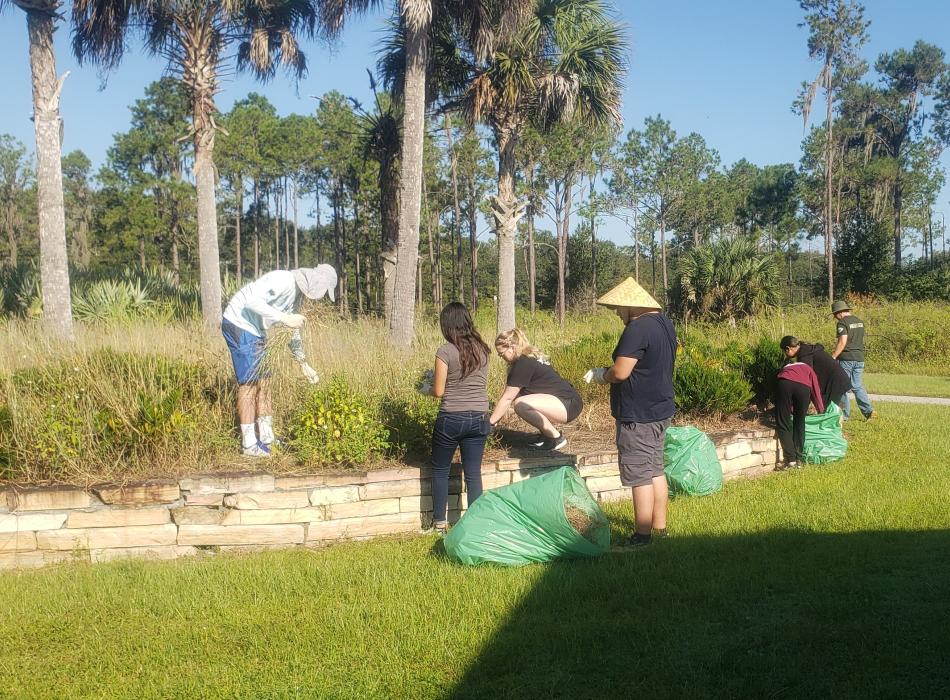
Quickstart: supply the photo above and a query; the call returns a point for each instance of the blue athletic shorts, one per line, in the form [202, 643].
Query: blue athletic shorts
[247, 353]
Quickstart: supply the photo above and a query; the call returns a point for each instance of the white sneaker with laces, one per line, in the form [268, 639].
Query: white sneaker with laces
[257, 450]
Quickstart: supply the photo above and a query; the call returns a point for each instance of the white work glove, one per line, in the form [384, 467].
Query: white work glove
[310, 373]
[596, 375]
[292, 320]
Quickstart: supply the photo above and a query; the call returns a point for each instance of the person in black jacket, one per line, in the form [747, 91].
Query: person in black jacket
[832, 379]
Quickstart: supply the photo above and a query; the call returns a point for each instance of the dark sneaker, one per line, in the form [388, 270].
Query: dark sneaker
[869, 416]
[539, 441]
[555, 443]
[784, 466]
[440, 529]
[638, 540]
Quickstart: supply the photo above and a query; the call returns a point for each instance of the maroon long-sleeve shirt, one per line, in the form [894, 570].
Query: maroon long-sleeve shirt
[801, 373]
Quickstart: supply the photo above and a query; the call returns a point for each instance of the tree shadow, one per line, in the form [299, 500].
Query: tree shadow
[775, 614]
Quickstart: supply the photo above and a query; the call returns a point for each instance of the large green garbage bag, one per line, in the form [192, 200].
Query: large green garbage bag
[823, 439]
[528, 522]
[690, 462]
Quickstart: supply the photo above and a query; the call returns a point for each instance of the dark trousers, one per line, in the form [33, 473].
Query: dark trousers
[791, 397]
[467, 431]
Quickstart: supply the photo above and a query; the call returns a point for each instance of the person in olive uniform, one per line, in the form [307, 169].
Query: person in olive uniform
[849, 351]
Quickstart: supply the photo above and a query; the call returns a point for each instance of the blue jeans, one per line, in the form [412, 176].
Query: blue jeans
[855, 370]
[468, 431]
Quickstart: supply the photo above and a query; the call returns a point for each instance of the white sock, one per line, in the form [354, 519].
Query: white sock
[265, 426]
[248, 437]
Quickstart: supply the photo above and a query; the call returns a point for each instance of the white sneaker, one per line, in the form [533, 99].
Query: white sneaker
[257, 450]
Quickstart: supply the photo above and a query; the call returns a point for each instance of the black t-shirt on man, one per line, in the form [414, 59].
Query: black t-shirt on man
[538, 378]
[646, 396]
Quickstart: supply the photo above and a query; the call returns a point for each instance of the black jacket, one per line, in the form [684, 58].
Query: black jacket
[832, 379]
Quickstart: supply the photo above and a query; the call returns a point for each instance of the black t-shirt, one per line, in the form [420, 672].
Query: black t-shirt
[535, 377]
[646, 396]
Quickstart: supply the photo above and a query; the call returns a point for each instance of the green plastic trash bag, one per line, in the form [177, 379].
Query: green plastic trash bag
[690, 462]
[823, 439]
[529, 522]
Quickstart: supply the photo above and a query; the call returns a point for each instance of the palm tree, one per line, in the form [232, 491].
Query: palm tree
[196, 36]
[423, 44]
[726, 280]
[41, 18]
[564, 63]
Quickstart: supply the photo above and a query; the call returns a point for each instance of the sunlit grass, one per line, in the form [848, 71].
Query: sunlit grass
[908, 384]
[830, 581]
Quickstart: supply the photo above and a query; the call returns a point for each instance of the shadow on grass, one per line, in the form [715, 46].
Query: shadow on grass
[777, 614]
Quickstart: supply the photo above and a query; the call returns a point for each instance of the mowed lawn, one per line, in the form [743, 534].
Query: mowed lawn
[908, 384]
[831, 581]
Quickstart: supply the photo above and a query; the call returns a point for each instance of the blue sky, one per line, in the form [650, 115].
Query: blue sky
[727, 70]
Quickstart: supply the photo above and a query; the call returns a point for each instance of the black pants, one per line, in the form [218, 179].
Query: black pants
[791, 396]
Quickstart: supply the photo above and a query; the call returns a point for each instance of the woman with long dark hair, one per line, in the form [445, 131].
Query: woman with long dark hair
[460, 379]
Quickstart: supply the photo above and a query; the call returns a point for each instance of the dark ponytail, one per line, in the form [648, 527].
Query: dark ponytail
[458, 329]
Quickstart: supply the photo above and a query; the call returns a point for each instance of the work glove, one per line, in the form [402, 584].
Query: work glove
[309, 372]
[596, 375]
[424, 386]
[292, 320]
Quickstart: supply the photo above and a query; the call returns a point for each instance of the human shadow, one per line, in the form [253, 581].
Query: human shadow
[775, 614]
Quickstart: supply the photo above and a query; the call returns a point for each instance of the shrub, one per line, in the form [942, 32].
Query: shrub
[410, 420]
[766, 358]
[337, 427]
[572, 361]
[111, 300]
[705, 387]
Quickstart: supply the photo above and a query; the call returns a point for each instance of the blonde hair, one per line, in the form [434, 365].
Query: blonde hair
[516, 339]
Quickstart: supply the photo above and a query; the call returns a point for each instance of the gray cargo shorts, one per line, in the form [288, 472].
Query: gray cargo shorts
[640, 448]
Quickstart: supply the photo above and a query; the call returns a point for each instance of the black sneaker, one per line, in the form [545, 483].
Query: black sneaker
[784, 466]
[638, 540]
[555, 443]
[539, 441]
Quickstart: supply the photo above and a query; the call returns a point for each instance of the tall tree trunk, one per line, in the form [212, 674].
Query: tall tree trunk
[505, 211]
[142, 252]
[200, 77]
[417, 15]
[237, 229]
[473, 245]
[257, 229]
[175, 223]
[564, 227]
[829, 161]
[898, 211]
[389, 228]
[338, 259]
[593, 240]
[532, 253]
[357, 239]
[283, 223]
[296, 232]
[433, 275]
[458, 283]
[663, 261]
[54, 268]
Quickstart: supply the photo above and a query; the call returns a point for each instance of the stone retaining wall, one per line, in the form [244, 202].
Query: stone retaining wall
[166, 519]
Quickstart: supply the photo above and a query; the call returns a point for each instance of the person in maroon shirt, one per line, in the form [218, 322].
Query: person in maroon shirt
[797, 387]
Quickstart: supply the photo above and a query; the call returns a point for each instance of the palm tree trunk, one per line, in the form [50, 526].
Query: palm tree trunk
[504, 210]
[54, 269]
[417, 15]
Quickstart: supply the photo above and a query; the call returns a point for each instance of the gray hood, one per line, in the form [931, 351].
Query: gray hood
[314, 282]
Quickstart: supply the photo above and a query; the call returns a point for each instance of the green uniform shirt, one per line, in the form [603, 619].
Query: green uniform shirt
[853, 327]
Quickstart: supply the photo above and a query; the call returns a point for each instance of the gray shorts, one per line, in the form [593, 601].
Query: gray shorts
[640, 448]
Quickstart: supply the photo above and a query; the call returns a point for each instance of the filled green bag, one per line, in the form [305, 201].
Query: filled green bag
[823, 439]
[531, 521]
[690, 462]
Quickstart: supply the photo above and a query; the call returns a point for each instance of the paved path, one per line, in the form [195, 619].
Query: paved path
[910, 399]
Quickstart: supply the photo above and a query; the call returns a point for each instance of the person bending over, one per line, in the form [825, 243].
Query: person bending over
[540, 396]
[274, 298]
[797, 387]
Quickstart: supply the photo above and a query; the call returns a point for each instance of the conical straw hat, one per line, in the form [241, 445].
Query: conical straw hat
[629, 293]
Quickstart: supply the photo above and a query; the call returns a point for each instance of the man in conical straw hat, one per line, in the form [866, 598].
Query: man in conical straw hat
[641, 401]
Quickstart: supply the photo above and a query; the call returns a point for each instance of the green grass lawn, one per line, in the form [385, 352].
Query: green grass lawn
[830, 581]
[907, 384]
